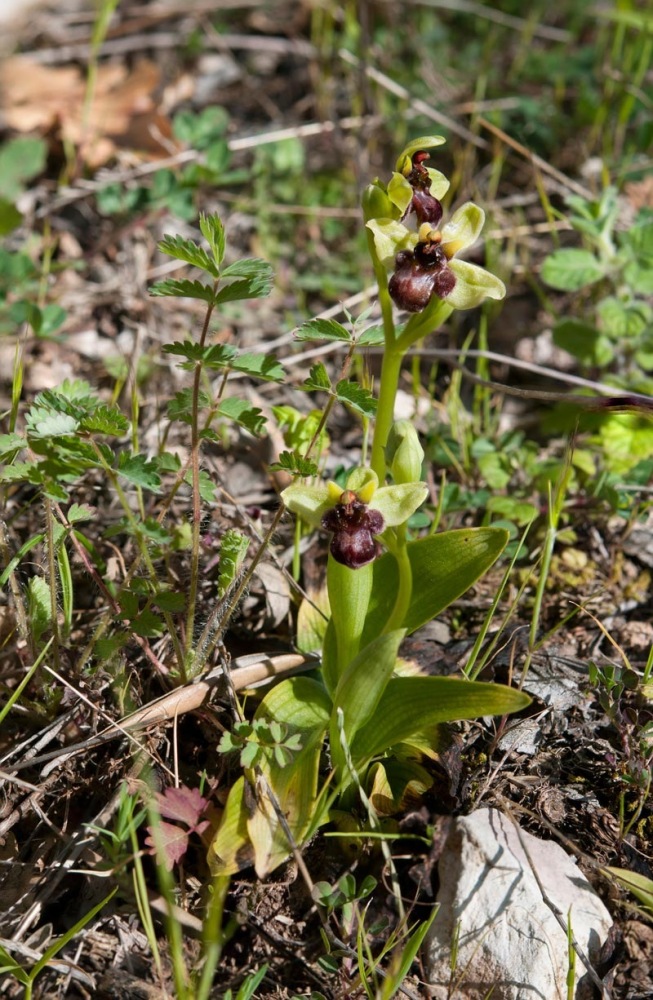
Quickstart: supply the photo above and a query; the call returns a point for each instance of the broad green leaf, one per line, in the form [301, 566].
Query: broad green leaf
[10, 217]
[354, 395]
[359, 690]
[312, 619]
[243, 413]
[322, 329]
[21, 159]
[617, 319]
[318, 379]
[639, 277]
[410, 703]
[263, 366]
[640, 237]
[184, 289]
[303, 705]
[215, 356]
[626, 439]
[444, 566]
[583, 341]
[190, 253]
[350, 591]
[396, 785]
[640, 886]
[139, 471]
[212, 230]
[571, 269]
[231, 850]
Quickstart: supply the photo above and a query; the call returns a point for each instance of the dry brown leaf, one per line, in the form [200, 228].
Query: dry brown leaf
[47, 98]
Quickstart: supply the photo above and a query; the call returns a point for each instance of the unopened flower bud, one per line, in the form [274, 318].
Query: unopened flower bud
[404, 453]
[376, 204]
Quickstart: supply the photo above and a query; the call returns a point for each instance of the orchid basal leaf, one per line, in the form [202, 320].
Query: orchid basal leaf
[473, 285]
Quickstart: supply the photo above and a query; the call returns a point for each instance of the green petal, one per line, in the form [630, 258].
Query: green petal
[308, 502]
[363, 482]
[473, 285]
[423, 142]
[463, 228]
[439, 183]
[390, 236]
[400, 192]
[398, 503]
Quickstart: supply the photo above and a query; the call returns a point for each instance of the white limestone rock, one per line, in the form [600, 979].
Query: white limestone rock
[510, 946]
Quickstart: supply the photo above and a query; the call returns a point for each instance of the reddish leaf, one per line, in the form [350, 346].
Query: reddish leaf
[169, 842]
[185, 805]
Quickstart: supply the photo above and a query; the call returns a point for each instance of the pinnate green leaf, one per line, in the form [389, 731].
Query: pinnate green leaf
[139, 471]
[295, 464]
[323, 329]
[213, 232]
[318, 379]
[372, 337]
[243, 413]
[250, 267]
[184, 289]
[263, 366]
[243, 288]
[189, 252]
[105, 420]
[354, 395]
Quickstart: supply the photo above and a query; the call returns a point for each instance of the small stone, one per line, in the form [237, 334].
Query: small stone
[510, 944]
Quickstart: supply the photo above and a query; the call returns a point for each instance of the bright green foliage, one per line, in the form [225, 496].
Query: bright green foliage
[616, 264]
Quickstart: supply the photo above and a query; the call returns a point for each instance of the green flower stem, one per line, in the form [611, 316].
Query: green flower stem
[395, 348]
[349, 597]
[405, 587]
[385, 410]
[428, 321]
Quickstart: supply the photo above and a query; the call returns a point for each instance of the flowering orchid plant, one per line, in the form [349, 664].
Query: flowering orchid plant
[379, 715]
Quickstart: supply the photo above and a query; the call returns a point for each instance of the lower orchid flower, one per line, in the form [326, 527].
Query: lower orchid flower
[357, 514]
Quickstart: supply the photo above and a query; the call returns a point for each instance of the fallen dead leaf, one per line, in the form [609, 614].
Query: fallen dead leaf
[52, 98]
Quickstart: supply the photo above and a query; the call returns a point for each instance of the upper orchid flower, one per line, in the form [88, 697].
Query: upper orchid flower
[356, 514]
[424, 262]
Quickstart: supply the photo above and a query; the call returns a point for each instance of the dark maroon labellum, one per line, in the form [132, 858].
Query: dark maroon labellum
[419, 274]
[423, 204]
[353, 525]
